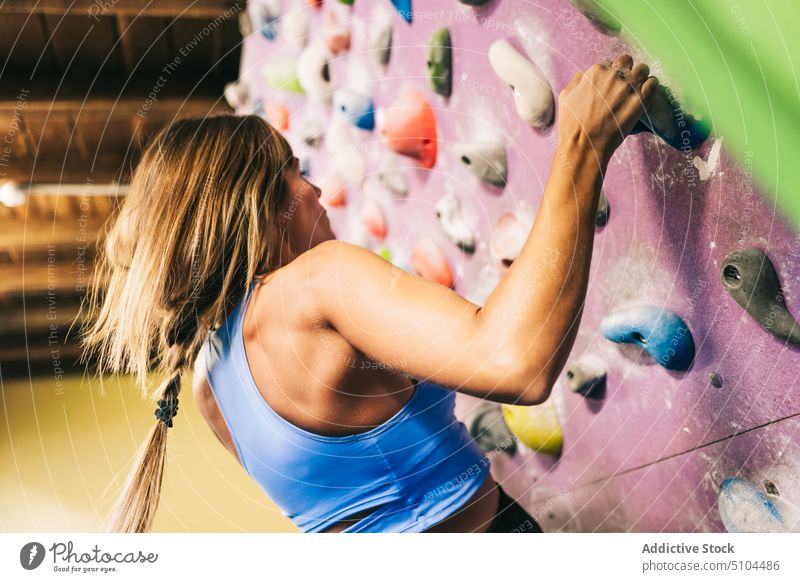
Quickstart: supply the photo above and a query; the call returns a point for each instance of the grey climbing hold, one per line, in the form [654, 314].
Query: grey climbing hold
[715, 380]
[751, 280]
[490, 431]
[603, 210]
[486, 159]
[588, 377]
[474, 2]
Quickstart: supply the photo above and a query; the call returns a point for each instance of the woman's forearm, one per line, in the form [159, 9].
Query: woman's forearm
[535, 309]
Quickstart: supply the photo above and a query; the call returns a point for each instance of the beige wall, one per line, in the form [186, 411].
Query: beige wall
[65, 450]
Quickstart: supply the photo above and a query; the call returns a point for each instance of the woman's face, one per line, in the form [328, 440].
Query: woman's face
[303, 214]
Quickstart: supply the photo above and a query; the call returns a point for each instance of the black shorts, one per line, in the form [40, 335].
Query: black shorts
[512, 518]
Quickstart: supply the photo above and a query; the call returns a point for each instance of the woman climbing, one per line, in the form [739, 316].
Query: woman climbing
[327, 372]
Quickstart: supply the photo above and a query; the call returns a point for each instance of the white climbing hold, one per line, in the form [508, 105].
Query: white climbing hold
[344, 153]
[485, 158]
[294, 25]
[236, 94]
[531, 89]
[454, 223]
[313, 72]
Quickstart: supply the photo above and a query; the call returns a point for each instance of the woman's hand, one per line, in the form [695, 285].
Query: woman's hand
[600, 106]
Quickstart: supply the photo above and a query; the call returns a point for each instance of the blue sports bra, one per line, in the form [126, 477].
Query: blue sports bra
[417, 468]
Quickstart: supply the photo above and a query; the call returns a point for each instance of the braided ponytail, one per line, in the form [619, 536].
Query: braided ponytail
[136, 507]
[199, 223]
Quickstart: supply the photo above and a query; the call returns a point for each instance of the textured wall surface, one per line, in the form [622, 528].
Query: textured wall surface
[652, 455]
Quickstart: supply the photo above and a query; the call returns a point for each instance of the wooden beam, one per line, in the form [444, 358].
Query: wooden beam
[98, 8]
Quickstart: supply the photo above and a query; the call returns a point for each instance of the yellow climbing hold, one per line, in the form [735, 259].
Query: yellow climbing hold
[537, 427]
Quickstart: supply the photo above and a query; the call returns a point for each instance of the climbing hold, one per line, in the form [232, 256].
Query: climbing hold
[537, 427]
[603, 210]
[743, 508]
[336, 35]
[236, 94]
[490, 431]
[715, 380]
[391, 175]
[508, 238]
[313, 72]
[532, 94]
[410, 127]
[598, 15]
[428, 261]
[451, 218]
[374, 220]
[349, 2]
[484, 158]
[282, 74]
[311, 128]
[404, 8]
[277, 115]
[294, 25]
[245, 24]
[588, 377]
[667, 119]
[314, 3]
[751, 280]
[440, 62]
[266, 14]
[357, 108]
[770, 488]
[380, 40]
[334, 193]
[659, 331]
[345, 154]
[474, 2]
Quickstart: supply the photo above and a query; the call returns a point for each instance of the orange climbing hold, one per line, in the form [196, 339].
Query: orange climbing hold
[428, 260]
[277, 115]
[334, 193]
[337, 36]
[374, 220]
[410, 127]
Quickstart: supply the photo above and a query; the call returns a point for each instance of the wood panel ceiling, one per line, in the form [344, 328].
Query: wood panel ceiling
[83, 86]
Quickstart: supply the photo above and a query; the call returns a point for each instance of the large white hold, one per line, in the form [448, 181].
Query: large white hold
[313, 72]
[533, 96]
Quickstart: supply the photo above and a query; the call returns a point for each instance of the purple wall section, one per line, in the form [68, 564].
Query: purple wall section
[645, 454]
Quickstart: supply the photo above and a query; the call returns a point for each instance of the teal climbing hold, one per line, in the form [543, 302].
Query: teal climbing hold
[751, 280]
[667, 119]
[404, 8]
[658, 331]
[603, 211]
[743, 508]
[440, 62]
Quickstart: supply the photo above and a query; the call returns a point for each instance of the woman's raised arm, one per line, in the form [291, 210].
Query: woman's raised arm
[513, 348]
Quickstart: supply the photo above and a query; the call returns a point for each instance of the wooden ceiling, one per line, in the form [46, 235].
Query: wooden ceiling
[83, 86]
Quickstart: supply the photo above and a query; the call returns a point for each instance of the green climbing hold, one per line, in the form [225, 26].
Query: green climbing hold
[440, 62]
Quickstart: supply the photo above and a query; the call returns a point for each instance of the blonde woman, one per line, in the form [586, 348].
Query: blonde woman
[326, 371]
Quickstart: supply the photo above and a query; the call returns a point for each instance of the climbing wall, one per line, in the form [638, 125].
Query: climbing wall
[678, 408]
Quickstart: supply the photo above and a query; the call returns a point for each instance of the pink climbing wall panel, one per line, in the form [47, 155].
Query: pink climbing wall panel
[674, 216]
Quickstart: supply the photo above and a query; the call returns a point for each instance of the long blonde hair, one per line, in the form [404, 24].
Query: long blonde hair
[199, 223]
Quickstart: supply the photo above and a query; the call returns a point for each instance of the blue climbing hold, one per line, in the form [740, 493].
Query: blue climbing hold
[667, 118]
[404, 8]
[659, 331]
[267, 16]
[743, 508]
[357, 108]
